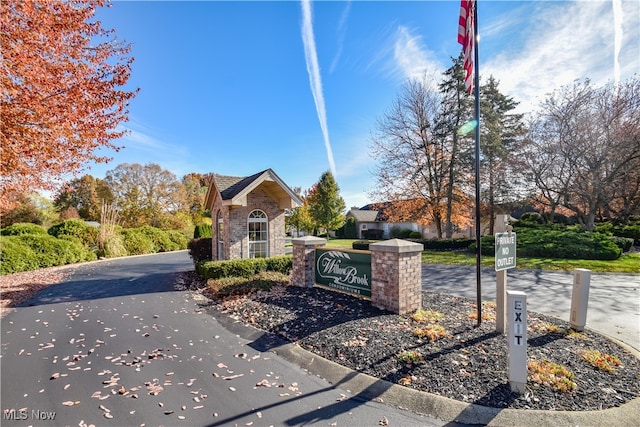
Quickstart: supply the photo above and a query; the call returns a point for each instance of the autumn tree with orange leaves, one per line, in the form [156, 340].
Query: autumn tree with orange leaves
[63, 95]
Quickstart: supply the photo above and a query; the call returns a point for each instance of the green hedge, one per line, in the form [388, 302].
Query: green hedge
[181, 241]
[27, 246]
[31, 251]
[558, 244]
[623, 243]
[362, 245]
[136, 242]
[446, 244]
[15, 256]
[202, 231]
[159, 238]
[631, 230]
[77, 229]
[244, 267]
[201, 249]
[22, 228]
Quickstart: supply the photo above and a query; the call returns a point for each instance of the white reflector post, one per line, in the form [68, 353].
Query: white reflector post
[517, 340]
[580, 298]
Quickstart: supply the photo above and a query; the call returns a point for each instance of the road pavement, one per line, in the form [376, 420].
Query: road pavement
[118, 345]
[614, 299]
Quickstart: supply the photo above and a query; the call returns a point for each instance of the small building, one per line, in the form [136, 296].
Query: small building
[248, 215]
[372, 222]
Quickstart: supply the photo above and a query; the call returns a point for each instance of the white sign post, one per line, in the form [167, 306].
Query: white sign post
[517, 340]
[505, 243]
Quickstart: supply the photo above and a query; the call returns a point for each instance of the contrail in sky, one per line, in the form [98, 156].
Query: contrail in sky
[617, 38]
[314, 77]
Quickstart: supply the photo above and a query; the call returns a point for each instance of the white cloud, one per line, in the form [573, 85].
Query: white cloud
[564, 41]
[411, 58]
[341, 33]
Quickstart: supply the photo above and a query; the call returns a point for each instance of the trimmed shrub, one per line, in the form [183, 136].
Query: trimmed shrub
[231, 268]
[631, 231]
[623, 243]
[15, 256]
[21, 228]
[50, 251]
[415, 235]
[280, 264]
[159, 238]
[202, 230]
[136, 242]
[373, 234]
[201, 249]
[76, 228]
[400, 233]
[181, 241]
[558, 244]
[361, 245]
[446, 244]
[532, 218]
[243, 267]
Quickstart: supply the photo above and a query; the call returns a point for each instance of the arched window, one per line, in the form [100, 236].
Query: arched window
[257, 226]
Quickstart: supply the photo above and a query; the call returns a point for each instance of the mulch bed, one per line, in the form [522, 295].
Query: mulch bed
[468, 364]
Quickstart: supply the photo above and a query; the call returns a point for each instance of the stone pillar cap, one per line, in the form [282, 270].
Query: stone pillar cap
[309, 241]
[396, 246]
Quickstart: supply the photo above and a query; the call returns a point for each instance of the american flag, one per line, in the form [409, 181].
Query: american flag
[466, 39]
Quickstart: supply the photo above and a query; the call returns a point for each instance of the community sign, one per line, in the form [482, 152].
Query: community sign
[345, 271]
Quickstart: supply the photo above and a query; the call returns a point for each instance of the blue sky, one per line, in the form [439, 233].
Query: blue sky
[238, 87]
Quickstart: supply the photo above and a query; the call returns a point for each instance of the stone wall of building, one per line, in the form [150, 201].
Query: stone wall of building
[237, 230]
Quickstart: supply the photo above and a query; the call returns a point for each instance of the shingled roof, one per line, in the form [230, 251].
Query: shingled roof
[231, 186]
[361, 215]
[233, 189]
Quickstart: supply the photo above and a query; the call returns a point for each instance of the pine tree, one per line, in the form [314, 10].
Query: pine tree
[499, 132]
[325, 204]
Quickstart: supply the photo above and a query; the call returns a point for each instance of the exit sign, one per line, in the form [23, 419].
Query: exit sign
[505, 250]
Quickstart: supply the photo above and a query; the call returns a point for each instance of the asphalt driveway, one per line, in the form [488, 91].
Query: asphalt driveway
[117, 344]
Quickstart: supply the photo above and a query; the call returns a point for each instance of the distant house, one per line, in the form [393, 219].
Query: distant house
[372, 222]
[248, 215]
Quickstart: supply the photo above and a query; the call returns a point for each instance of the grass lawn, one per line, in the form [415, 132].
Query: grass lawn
[627, 263]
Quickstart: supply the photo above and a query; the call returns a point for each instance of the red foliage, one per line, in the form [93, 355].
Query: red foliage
[61, 80]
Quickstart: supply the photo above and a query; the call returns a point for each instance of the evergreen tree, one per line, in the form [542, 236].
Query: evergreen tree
[500, 130]
[325, 204]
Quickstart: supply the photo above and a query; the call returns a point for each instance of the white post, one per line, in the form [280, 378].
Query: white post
[517, 340]
[501, 281]
[580, 298]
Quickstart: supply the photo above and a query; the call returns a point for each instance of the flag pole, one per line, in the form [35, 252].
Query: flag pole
[476, 84]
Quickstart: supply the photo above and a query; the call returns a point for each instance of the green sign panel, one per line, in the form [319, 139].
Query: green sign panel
[505, 251]
[345, 271]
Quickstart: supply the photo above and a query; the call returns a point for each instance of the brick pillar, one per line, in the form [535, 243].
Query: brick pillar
[396, 275]
[304, 251]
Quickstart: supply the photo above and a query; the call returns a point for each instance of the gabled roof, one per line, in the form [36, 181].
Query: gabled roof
[234, 189]
[381, 212]
[361, 215]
